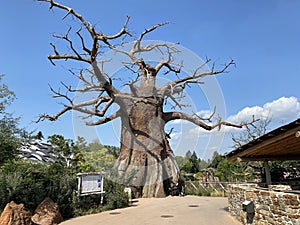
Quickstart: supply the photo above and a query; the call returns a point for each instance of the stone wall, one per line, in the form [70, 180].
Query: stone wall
[270, 206]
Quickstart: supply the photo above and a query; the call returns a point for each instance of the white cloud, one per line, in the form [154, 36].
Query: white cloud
[282, 109]
[186, 135]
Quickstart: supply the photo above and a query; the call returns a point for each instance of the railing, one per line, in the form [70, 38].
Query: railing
[199, 187]
[207, 188]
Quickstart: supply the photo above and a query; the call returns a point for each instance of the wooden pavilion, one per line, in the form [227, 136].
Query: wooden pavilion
[281, 144]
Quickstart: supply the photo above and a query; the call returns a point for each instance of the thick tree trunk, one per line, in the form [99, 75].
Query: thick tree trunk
[146, 160]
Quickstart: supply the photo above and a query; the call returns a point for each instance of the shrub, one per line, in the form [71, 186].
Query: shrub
[115, 197]
[29, 183]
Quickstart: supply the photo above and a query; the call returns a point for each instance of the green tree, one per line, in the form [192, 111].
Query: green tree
[24, 181]
[229, 171]
[181, 162]
[216, 159]
[114, 150]
[6, 96]
[188, 167]
[203, 164]
[188, 154]
[9, 139]
[9, 132]
[195, 163]
[99, 158]
[68, 152]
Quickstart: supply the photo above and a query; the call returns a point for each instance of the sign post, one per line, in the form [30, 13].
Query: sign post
[90, 184]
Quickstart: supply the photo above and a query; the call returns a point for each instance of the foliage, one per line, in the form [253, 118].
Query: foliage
[9, 132]
[190, 163]
[96, 156]
[62, 187]
[225, 170]
[278, 170]
[191, 167]
[70, 155]
[181, 162]
[9, 139]
[6, 96]
[99, 160]
[217, 158]
[232, 172]
[201, 191]
[113, 150]
[29, 183]
[115, 196]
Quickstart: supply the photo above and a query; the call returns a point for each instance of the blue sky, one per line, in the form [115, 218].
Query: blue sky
[263, 37]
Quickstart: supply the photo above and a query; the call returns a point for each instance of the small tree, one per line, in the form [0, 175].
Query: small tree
[144, 145]
[98, 157]
[69, 154]
[252, 132]
[10, 134]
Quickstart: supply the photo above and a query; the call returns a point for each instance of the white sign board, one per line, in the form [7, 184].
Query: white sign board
[90, 183]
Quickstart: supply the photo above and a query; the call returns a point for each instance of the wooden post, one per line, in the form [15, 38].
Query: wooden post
[268, 174]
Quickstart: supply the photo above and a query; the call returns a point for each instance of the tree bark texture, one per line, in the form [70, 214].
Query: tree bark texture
[146, 160]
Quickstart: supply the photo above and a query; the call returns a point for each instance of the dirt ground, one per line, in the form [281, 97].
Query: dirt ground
[188, 210]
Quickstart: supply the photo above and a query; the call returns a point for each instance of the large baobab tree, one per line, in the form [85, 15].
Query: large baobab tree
[145, 158]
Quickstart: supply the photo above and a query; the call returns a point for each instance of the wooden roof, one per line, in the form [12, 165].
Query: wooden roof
[280, 144]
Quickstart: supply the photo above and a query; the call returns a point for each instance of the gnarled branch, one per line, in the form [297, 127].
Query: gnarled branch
[105, 120]
[194, 78]
[199, 122]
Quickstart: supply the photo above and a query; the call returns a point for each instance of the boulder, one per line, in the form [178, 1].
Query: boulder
[47, 213]
[15, 214]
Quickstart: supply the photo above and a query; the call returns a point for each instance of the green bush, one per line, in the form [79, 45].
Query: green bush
[22, 182]
[29, 183]
[199, 192]
[115, 197]
[62, 187]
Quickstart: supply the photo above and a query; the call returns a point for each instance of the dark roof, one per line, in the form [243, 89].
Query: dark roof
[281, 144]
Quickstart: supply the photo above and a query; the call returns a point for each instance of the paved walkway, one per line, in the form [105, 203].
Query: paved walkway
[188, 210]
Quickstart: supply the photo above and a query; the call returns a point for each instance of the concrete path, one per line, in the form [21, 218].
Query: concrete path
[188, 210]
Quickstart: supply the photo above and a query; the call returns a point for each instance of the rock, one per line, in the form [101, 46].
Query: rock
[47, 213]
[14, 214]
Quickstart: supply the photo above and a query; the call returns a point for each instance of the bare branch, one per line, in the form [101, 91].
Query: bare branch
[168, 135]
[55, 117]
[105, 120]
[66, 57]
[122, 31]
[70, 11]
[66, 37]
[179, 115]
[209, 119]
[194, 78]
[166, 63]
[137, 43]
[57, 94]
[105, 108]
[82, 42]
